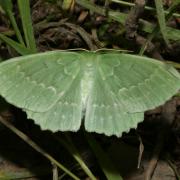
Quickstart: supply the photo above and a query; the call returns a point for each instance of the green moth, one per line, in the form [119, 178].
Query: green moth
[108, 90]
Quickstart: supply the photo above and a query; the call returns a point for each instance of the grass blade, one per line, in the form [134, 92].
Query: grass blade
[105, 163]
[8, 7]
[161, 19]
[149, 8]
[172, 33]
[172, 9]
[35, 146]
[68, 144]
[24, 10]
[15, 27]
[18, 47]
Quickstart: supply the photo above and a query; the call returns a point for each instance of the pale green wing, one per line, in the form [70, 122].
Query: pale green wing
[124, 87]
[138, 83]
[66, 114]
[37, 82]
[105, 115]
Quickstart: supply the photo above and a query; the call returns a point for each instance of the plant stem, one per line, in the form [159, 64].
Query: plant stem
[36, 147]
[15, 27]
[24, 10]
[146, 7]
[74, 152]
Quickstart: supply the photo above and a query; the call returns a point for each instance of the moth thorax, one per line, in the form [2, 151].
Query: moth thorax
[86, 83]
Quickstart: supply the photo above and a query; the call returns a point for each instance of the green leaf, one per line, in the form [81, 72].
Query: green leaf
[111, 90]
[8, 7]
[161, 19]
[18, 47]
[24, 9]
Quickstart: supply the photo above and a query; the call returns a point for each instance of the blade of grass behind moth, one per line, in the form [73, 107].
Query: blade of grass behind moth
[31, 143]
[118, 16]
[8, 7]
[156, 30]
[172, 9]
[24, 10]
[17, 46]
[68, 144]
[121, 18]
[149, 8]
[105, 163]
[161, 19]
